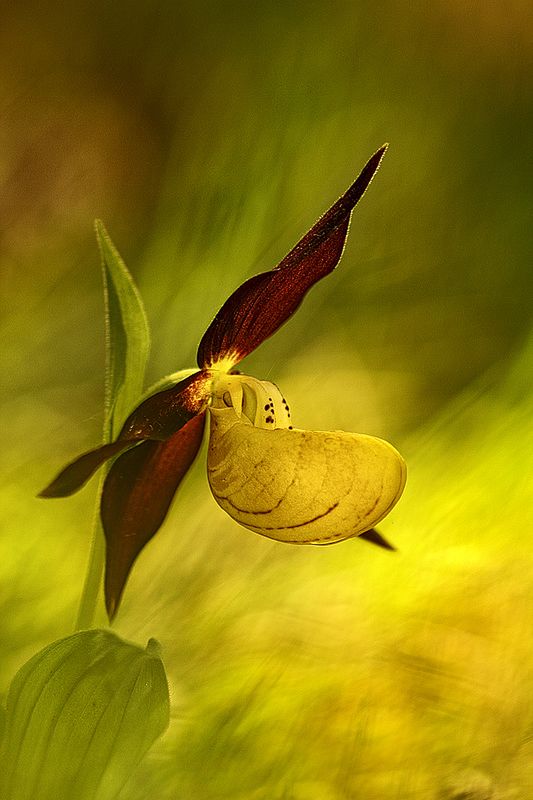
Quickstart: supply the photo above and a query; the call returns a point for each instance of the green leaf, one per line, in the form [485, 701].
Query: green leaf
[127, 336]
[80, 716]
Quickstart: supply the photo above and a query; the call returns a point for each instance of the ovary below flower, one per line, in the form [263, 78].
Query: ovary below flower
[302, 487]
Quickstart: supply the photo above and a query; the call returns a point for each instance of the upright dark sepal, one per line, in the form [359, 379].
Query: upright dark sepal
[263, 303]
[136, 497]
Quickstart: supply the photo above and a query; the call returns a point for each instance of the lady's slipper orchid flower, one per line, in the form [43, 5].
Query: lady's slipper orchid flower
[303, 487]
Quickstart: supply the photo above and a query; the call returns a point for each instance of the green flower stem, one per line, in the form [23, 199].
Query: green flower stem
[95, 570]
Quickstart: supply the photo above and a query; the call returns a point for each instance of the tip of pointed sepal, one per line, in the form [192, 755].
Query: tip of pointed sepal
[373, 536]
[111, 607]
[82, 713]
[358, 188]
[378, 156]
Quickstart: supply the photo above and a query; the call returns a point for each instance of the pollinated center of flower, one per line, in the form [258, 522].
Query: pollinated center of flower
[259, 402]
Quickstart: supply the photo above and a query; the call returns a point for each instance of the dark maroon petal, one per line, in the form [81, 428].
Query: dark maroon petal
[263, 303]
[374, 537]
[136, 497]
[164, 413]
[76, 474]
[158, 417]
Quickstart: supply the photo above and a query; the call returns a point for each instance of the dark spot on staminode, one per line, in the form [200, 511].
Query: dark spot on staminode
[267, 407]
[269, 419]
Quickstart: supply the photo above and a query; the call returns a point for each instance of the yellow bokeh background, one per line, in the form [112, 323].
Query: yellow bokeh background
[209, 136]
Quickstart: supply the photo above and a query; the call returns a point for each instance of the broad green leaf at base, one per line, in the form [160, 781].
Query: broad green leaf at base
[80, 716]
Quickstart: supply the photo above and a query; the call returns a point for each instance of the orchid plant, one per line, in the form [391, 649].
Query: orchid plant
[296, 486]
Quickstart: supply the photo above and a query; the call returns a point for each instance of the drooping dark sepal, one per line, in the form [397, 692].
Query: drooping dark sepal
[75, 475]
[263, 303]
[375, 537]
[156, 418]
[137, 494]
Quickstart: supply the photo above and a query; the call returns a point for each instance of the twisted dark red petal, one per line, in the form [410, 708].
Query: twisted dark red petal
[263, 303]
[137, 494]
[164, 413]
[158, 417]
[75, 475]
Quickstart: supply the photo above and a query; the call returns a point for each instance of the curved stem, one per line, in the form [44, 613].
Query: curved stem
[95, 570]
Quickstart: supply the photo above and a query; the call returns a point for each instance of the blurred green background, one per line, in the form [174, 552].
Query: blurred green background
[209, 136]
